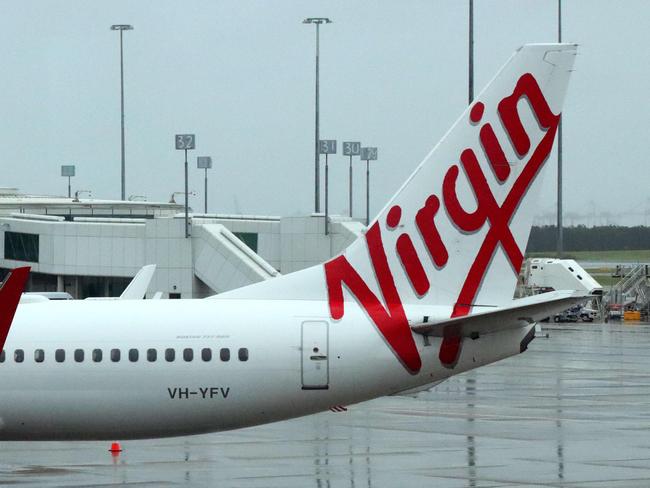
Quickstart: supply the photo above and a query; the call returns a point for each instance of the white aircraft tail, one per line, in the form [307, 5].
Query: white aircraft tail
[139, 285]
[455, 233]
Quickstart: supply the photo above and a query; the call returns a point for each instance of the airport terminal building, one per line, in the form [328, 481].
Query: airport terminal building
[90, 247]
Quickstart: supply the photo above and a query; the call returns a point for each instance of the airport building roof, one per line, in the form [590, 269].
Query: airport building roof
[12, 201]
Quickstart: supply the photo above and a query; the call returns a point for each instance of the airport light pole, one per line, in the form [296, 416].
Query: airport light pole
[68, 170]
[205, 162]
[351, 149]
[470, 83]
[122, 28]
[186, 142]
[317, 21]
[560, 230]
[368, 154]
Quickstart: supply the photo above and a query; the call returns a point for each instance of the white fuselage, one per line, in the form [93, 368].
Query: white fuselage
[297, 362]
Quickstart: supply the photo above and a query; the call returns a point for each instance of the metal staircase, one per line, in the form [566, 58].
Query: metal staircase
[633, 287]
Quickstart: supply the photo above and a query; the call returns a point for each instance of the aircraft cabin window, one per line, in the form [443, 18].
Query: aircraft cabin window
[243, 354]
[19, 355]
[152, 355]
[115, 355]
[79, 355]
[59, 355]
[170, 355]
[188, 354]
[206, 354]
[224, 354]
[39, 355]
[133, 355]
[97, 355]
[2, 356]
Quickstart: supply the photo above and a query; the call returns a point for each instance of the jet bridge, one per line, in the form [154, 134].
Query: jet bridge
[224, 262]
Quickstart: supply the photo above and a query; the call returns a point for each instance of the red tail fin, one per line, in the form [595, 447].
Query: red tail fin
[10, 293]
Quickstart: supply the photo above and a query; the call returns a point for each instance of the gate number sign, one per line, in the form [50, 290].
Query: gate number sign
[327, 146]
[185, 141]
[351, 148]
[368, 153]
[67, 170]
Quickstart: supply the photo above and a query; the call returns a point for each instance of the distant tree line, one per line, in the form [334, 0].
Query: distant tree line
[581, 238]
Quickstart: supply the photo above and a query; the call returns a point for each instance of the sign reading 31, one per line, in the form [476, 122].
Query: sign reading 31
[327, 146]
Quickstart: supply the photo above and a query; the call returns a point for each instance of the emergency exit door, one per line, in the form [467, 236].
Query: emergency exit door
[315, 355]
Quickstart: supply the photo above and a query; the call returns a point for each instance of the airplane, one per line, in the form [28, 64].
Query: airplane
[425, 293]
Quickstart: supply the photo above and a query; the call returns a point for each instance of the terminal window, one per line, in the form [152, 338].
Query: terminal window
[21, 246]
[248, 238]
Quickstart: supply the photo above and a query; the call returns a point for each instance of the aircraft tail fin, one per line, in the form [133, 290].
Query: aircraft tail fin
[10, 294]
[456, 231]
[139, 285]
[453, 237]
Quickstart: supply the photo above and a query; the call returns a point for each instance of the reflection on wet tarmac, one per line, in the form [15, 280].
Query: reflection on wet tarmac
[574, 410]
[558, 424]
[470, 391]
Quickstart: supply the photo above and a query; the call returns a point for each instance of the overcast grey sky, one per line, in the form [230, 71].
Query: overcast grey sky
[240, 75]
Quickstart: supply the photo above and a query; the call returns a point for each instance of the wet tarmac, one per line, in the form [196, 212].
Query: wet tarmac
[574, 410]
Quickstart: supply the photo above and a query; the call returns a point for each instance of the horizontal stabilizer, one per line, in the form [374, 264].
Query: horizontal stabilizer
[525, 312]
